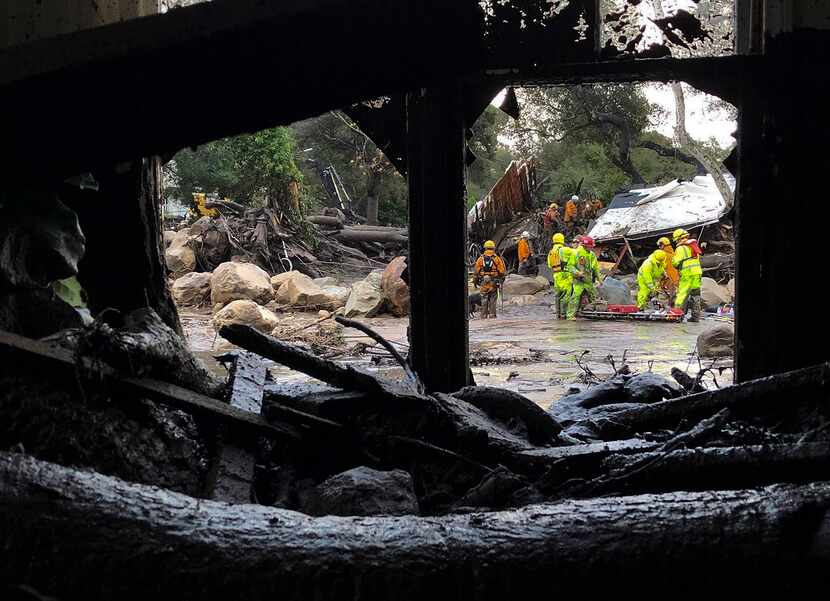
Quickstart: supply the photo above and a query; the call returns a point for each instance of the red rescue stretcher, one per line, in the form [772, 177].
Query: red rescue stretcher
[631, 312]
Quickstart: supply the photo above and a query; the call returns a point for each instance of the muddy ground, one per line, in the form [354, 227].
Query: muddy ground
[526, 349]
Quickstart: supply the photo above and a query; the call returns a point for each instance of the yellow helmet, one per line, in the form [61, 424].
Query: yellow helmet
[558, 239]
[663, 242]
[679, 233]
[659, 256]
[489, 245]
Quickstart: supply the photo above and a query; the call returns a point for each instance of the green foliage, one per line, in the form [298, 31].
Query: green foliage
[564, 165]
[251, 169]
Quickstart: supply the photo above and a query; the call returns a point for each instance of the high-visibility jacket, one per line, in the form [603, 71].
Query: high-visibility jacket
[523, 248]
[570, 211]
[685, 262]
[585, 261]
[650, 272]
[563, 253]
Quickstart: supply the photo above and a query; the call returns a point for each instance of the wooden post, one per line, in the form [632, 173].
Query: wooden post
[123, 267]
[439, 350]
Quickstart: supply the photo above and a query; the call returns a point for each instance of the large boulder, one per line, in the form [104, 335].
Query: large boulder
[713, 294]
[245, 312]
[394, 288]
[730, 287]
[521, 300]
[279, 279]
[300, 292]
[366, 298]
[212, 244]
[717, 342]
[179, 256]
[544, 282]
[519, 284]
[364, 491]
[336, 297]
[192, 289]
[651, 388]
[236, 281]
[615, 292]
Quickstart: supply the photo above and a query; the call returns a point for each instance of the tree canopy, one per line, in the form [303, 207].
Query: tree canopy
[252, 169]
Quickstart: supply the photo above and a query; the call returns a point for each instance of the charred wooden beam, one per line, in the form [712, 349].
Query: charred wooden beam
[64, 363]
[76, 533]
[439, 351]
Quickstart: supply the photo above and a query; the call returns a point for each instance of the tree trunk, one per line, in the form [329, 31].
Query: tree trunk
[80, 534]
[348, 234]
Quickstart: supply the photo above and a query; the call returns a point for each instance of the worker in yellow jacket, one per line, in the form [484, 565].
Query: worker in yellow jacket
[686, 260]
[558, 259]
[584, 268]
[649, 276]
[489, 273]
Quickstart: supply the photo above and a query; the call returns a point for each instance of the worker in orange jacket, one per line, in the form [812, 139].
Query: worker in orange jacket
[489, 273]
[525, 253]
[671, 277]
[571, 210]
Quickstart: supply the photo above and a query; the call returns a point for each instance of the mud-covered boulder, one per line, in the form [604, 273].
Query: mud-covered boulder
[650, 388]
[519, 284]
[301, 292]
[717, 342]
[544, 283]
[245, 312]
[615, 292]
[210, 240]
[192, 289]
[394, 288]
[364, 491]
[279, 279]
[713, 294]
[579, 400]
[36, 312]
[179, 257]
[337, 297]
[730, 287]
[238, 281]
[366, 298]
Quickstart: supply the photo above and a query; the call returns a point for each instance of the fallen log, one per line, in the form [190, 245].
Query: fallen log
[714, 468]
[66, 364]
[763, 394]
[80, 534]
[326, 220]
[340, 376]
[352, 235]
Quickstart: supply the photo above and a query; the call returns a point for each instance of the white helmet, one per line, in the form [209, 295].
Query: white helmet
[574, 197]
[525, 234]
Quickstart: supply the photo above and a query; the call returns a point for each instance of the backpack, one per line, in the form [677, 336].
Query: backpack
[489, 263]
[696, 251]
[556, 259]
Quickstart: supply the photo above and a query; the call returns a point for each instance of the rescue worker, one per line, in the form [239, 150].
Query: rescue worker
[558, 258]
[649, 276]
[571, 211]
[584, 269]
[551, 216]
[489, 272]
[686, 260]
[671, 277]
[524, 252]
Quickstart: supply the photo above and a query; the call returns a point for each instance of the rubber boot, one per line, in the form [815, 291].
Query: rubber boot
[695, 305]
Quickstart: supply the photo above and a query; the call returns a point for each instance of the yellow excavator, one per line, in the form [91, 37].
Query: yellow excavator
[201, 210]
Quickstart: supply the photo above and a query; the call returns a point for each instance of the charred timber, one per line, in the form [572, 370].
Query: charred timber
[83, 534]
[764, 394]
